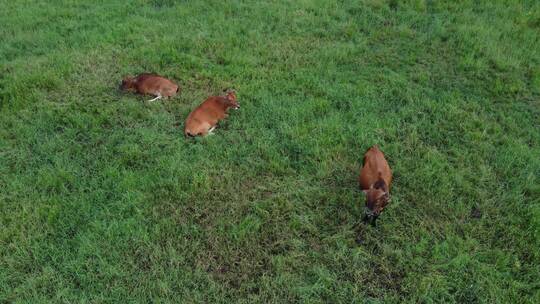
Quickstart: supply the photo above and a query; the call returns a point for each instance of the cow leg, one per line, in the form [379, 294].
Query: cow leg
[158, 97]
[211, 130]
[364, 218]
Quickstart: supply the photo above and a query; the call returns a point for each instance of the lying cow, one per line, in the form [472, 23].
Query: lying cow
[204, 119]
[150, 84]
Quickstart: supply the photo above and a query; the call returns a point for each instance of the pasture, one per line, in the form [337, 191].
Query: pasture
[103, 200]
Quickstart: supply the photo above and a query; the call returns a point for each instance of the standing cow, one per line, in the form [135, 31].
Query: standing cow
[375, 180]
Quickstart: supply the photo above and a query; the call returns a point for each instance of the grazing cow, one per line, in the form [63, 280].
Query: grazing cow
[150, 84]
[204, 118]
[375, 180]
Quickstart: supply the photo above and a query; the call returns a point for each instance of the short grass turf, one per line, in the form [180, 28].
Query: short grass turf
[102, 200]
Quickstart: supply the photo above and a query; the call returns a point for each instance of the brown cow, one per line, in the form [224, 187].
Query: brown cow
[203, 119]
[151, 84]
[375, 180]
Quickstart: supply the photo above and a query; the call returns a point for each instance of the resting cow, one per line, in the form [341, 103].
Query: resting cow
[204, 119]
[150, 84]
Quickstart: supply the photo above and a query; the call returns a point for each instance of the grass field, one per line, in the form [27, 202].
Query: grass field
[102, 199]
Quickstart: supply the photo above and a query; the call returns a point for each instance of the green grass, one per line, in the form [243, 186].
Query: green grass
[102, 199]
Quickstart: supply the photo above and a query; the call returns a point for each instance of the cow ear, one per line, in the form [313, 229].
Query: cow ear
[365, 191]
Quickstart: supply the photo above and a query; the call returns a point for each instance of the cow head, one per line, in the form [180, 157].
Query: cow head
[231, 99]
[377, 197]
[127, 83]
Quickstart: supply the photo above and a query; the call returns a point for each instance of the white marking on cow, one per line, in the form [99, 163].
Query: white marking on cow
[158, 97]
